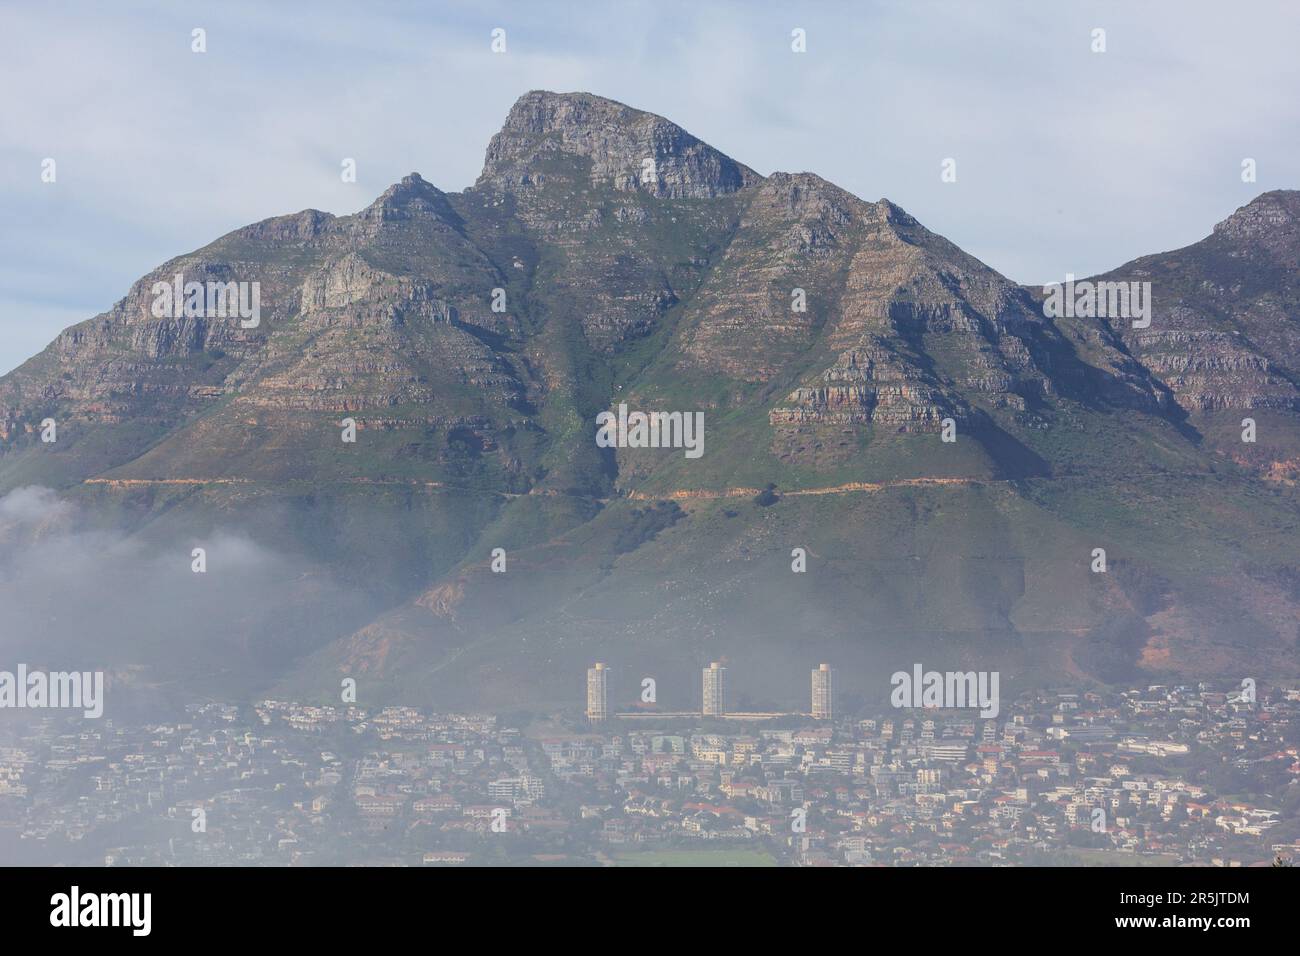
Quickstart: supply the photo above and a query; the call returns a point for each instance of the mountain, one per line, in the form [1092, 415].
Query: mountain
[606, 257]
[1224, 336]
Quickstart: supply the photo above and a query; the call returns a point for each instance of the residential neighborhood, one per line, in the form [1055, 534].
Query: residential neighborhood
[1168, 775]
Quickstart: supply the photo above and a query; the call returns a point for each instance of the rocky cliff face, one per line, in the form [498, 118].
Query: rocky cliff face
[1223, 336]
[604, 256]
[623, 149]
[1223, 333]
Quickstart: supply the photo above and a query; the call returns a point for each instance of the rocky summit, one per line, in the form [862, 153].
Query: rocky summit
[409, 421]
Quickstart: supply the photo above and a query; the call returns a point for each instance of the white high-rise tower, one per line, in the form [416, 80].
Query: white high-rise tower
[823, 693]
[715, 690]
[597, 692]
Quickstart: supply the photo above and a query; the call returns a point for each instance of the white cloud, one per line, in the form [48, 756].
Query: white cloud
[30, 505]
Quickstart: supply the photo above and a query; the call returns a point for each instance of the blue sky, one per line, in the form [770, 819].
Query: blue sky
[1067, 160]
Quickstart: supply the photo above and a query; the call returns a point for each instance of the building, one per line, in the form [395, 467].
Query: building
[521, 789]
[597, 692]
[823, 692]
[944, 751]
[715, 691]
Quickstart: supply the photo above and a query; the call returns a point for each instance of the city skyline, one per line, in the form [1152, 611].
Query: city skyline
[1133, 774]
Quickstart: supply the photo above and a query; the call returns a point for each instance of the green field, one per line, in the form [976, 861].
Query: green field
[724, 857]
[1115, 858]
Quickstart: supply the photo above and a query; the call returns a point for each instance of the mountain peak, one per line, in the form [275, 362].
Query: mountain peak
[411, 187]
[410, 197]
[629, 150]
[1271, 219]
